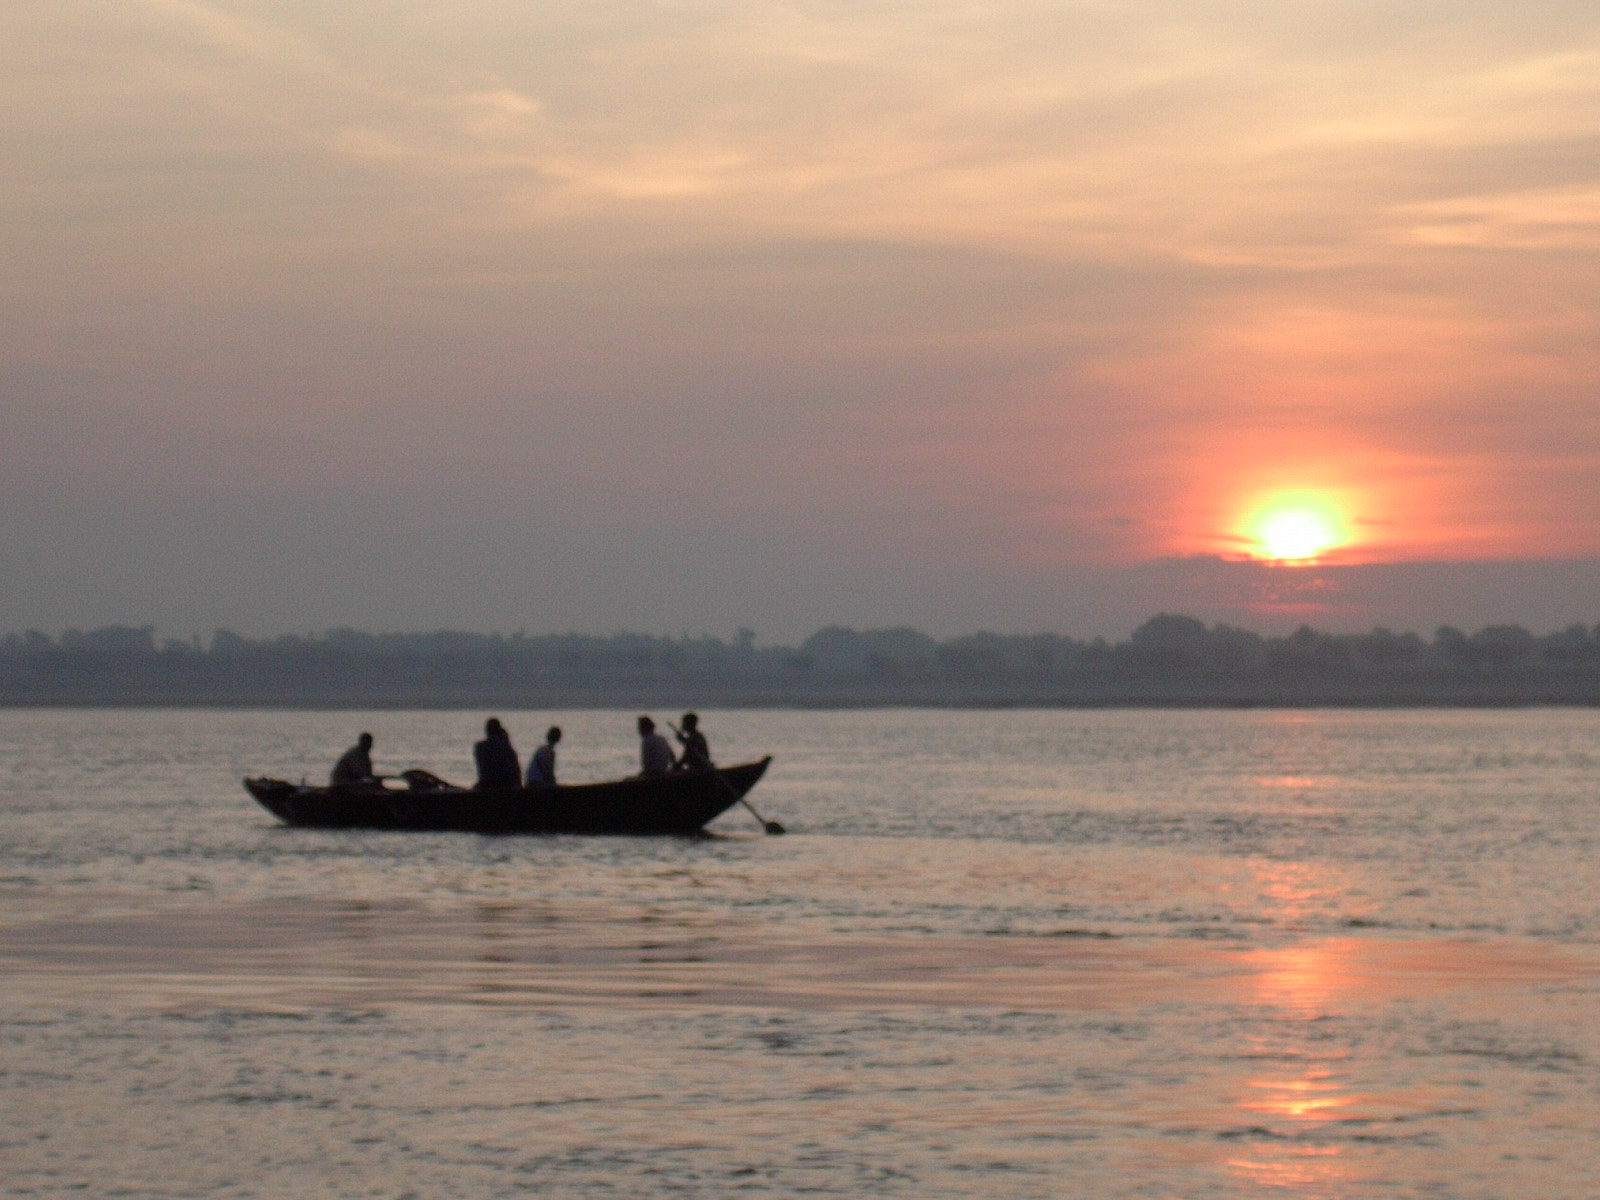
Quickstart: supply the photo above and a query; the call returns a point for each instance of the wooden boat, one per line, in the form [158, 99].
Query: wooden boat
[680, 803]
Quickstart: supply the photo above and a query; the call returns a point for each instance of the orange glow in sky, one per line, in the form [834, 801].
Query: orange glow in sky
[1010, 339]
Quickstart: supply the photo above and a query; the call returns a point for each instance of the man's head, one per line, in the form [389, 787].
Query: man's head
[553, 734]
[493, 728]
[365, 741]
[646, 725]
[691, 720]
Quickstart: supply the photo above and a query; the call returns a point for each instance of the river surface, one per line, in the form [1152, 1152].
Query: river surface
[999, 954]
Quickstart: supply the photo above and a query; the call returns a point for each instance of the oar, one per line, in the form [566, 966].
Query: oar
[771, 827]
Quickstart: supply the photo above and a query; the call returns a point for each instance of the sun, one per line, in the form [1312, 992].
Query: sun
[1297, 533]
[1296, 528]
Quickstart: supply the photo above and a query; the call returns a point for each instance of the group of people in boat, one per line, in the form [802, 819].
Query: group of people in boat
[499, 767]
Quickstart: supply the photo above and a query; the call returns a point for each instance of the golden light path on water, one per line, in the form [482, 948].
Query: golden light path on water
[1277, 1113]
[1017, 954]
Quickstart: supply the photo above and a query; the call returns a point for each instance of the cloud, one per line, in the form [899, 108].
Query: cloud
[1036, 286]
[1562, 218]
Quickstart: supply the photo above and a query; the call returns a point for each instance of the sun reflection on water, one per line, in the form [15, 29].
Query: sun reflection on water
[1288, 781]
[1292, 893]
[1306, 1170]
[1286, 1108]
[1316, 1094]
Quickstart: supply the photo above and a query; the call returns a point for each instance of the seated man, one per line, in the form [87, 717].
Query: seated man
[497, 761]
[696, 754]
[542, 766]
[354, 768]
[655, 756]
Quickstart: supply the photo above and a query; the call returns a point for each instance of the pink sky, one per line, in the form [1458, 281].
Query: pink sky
[687, 316]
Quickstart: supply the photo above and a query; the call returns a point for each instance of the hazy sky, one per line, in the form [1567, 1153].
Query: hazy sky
[687, 315]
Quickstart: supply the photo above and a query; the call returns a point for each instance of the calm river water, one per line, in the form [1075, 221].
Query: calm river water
[1000, 954]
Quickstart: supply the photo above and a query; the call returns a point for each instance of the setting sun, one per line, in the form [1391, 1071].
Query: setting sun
[1293, 528]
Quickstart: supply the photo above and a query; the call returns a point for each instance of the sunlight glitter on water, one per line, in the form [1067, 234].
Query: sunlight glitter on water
[1000, 954]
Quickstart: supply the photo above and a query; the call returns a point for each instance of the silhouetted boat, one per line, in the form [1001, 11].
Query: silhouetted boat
[680, 803]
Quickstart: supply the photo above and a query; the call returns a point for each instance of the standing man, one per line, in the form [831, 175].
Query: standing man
[542, 766]
[497, 761]
[354, 768]
[696, 754]
[655, 756]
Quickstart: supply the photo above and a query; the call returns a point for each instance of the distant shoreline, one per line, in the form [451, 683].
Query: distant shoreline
[1171, 661]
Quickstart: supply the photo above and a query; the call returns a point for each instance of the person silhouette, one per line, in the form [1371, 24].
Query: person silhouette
[354, 768]
[696, 754]
[497, 761]
[655, 756]
[542, 766]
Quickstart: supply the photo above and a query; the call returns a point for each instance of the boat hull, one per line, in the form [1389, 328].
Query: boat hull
[681, 803]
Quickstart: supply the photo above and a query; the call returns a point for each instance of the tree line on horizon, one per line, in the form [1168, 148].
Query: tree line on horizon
[1167, 652]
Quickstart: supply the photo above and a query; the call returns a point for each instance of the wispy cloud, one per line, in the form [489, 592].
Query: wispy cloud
[1046, 282]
